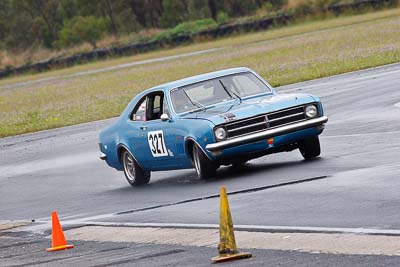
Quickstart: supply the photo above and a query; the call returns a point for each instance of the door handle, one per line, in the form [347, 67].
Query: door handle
[143, 128]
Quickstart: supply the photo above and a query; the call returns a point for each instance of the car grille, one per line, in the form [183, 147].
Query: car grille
[265, 121]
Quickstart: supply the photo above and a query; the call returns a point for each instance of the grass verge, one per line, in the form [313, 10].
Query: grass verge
[285, 55]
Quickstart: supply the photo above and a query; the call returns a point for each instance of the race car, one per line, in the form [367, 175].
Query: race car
[226, 117]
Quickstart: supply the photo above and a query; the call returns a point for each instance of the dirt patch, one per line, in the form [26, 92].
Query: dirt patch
[6, 225]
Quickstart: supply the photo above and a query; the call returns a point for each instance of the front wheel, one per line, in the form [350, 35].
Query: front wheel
[310, 147]
[205, 168]
[239, 164]
[134, 174]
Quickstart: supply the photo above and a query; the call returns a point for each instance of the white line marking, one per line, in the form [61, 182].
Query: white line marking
[240, 227]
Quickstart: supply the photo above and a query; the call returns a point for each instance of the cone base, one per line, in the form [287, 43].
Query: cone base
[231, 257]
[60, 247]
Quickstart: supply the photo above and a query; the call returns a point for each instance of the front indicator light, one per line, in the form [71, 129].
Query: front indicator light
[311, 111]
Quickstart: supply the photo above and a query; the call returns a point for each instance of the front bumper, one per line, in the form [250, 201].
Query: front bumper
[102, 156]
[266, 134]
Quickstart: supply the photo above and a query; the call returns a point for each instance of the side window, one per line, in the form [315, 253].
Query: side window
[157, 105]
[154, 106]
[139, 114]
[150, 108]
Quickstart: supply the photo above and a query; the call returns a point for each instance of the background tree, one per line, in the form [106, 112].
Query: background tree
[46, 13]
[83, 29]
[212, 5]
[174, 12]
[29, 24]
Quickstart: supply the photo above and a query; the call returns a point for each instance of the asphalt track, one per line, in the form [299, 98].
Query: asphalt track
[353, 185]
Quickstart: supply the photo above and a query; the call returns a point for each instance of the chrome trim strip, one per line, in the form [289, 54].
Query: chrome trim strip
[281, 125]
[243, 120]
[266, 114]
[266, 134]
[286, 117]
[247, 126]
[102, 156]
[287, 109]
[284, 124]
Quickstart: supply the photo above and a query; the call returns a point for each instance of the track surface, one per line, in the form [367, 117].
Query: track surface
[59, 170]
[128, 254]
[357, 186]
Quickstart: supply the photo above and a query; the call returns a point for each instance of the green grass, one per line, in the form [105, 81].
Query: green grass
[308, 26]
[189, 27]
[284, 55]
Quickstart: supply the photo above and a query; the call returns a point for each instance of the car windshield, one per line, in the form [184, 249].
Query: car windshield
[221, 89]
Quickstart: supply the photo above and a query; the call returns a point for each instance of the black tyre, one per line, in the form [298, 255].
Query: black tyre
[310, 147]
[239, 164]
[205, 168]
[134, 174]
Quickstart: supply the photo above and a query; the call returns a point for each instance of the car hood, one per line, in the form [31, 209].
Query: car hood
[249, 107]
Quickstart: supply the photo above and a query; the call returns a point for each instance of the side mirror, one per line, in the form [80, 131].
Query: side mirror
[165, 117]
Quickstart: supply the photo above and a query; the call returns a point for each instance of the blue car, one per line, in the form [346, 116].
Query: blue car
[220, 118]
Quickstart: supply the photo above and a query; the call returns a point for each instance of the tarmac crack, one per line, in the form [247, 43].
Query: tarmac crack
[250, 190]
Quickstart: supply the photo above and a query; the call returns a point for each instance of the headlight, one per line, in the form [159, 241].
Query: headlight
[220, 133]
[311, 111]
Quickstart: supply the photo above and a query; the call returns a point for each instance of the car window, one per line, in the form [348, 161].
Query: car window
[202, 94]
[157, 101]
[245, 84]
[157, 105]
[154, 106]
[201, 91]
[139, 113]
[198, 95]
[150, 107]
[181, 102]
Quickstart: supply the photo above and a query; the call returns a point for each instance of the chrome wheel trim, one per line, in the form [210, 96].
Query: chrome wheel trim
[196, 160]
[129, 166]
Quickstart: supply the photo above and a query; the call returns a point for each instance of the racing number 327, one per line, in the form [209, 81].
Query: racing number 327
[157, 144]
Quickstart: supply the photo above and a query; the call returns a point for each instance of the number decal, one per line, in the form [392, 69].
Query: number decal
[157, 144]
[151, 144]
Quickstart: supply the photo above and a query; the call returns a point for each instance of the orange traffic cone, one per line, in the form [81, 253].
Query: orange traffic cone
[58, 241]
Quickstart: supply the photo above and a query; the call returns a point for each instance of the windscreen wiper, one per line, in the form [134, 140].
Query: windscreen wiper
[229, 92]
[194, 102]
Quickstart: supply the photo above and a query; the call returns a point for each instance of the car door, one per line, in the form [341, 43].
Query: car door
[158, 136]
[134, 131]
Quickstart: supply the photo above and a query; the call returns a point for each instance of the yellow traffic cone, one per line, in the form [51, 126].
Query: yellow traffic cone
[227, 245]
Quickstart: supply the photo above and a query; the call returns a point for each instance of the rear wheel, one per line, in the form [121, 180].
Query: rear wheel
[205, 168]
[310, 147]
[134, 174]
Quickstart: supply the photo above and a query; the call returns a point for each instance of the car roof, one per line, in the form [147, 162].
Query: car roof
[182, 82]
[199, 78]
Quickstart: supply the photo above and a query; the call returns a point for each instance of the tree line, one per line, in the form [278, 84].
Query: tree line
[60, 23]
